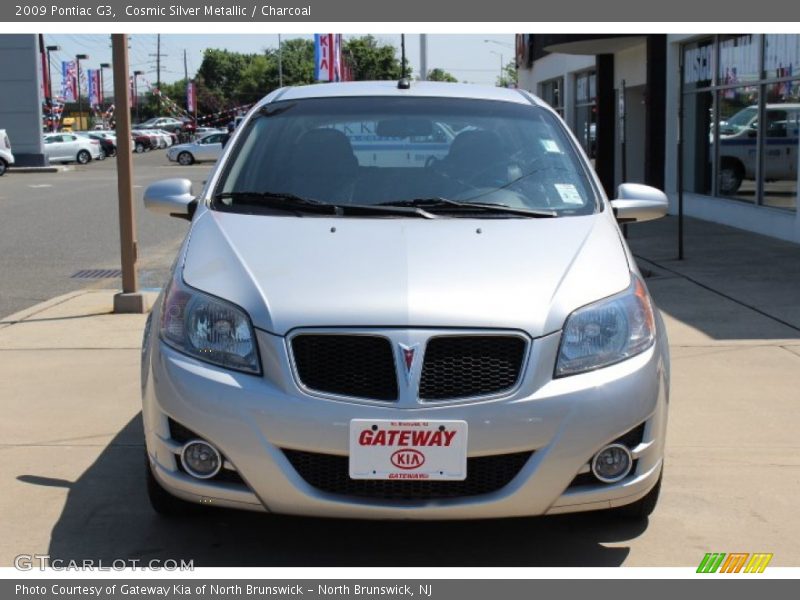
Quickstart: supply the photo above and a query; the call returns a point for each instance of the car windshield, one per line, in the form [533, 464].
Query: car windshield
[434, 152]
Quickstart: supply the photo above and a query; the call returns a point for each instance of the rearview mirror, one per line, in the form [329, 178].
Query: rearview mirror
[636, 203]
[171, 197]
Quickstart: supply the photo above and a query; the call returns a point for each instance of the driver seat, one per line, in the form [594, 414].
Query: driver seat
[479, 158]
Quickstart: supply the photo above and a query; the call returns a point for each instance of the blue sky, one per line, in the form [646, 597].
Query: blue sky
[467, 56]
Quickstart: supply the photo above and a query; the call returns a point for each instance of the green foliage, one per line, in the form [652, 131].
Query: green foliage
[441, 75]
[371, 60]
[227, 79]
[509, 77]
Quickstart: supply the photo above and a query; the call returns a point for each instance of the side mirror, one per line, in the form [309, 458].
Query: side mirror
[171, 197]
[637, 203]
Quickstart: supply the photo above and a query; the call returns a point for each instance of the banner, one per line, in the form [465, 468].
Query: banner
[328, 57]
[93, 81]
[69, 81]
[190, 97]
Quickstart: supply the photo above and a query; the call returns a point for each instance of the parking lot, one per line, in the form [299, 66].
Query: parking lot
[72, 436]
[56, 224]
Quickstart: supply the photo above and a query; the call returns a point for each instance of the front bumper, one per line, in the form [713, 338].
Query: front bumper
[252, 420]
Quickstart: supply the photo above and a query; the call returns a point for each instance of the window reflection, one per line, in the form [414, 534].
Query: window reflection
[782, 121]
[738, 142]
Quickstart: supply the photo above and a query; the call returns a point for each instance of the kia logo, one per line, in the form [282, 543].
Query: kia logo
[408, 458]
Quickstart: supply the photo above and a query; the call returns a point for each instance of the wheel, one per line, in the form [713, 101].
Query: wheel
[3, 167]
[185, 158]
[139, 147]
[642, 508]
[731, 175]
[164, 503]
[84, 157]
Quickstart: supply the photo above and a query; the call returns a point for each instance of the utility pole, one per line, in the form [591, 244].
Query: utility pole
[158, 55]
[185, 68]
[158, 70]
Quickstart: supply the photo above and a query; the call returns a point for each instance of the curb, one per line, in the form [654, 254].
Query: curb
[27, 313]
[50, 169]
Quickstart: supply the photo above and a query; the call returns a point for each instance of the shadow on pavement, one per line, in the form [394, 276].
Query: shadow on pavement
[107, 516]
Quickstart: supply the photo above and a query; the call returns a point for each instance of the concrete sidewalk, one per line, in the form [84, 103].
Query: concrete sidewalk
[71, 436]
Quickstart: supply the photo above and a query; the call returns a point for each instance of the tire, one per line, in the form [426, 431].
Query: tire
[185, 159]
[162, 502]
[642, 508]
[139, 147]
[83, 157]
[3, 167]
[731, 175]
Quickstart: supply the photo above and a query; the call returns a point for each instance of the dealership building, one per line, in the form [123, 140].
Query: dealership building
[722, 110]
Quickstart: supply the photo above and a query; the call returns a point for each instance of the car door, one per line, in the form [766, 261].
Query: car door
[210, 147]
[58, 148]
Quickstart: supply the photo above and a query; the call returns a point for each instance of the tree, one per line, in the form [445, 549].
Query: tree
[509, 76]
[441, 75]
[371, 60]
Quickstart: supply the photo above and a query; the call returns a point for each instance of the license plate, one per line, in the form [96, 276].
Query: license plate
[408, 450]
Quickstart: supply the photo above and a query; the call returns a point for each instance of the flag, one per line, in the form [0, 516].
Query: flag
[190, 99]
[93, 81]
[328, 57]
[69, 81]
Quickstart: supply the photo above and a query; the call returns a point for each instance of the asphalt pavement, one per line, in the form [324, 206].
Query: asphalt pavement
[53, 225]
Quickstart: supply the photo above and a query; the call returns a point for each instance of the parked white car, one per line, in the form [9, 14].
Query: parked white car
[70, 147]
[6, 157]
[207, 148]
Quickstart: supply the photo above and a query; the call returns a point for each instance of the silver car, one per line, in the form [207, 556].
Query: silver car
[206, 148]
[463, 336]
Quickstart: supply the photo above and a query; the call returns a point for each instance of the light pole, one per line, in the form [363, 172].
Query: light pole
[136, 91]
[50, 83]
[78, 59]
[504, 45]
[103, 67]
[280, 62]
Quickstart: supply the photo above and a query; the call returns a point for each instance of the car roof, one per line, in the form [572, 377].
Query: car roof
[419, 89]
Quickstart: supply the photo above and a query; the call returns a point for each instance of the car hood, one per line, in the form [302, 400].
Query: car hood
[289, 272]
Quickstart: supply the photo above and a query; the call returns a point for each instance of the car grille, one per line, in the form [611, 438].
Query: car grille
[470, 365]
[330, 473]
[347, 365]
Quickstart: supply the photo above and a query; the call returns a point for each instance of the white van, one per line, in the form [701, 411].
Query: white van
[738, 137]
[6, 158]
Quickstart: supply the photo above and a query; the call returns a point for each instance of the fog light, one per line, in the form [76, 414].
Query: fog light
[612, 463]
[201, 459]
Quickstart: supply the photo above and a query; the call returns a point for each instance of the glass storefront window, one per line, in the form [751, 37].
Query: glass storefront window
[781, 55]
[738, 59]
[698, 58]
[738, 143]
[780, 131]
[552, 93]
[741, 124]
[698, 155]
[586, 111]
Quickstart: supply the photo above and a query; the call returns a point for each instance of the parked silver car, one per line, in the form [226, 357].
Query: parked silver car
[206, 148]
[465, 336]
[6, 157]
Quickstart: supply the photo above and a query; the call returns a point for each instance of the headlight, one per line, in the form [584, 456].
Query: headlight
[208, 329]
[607, 331]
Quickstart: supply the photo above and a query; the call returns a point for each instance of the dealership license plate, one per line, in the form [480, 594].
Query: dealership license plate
[408, 450]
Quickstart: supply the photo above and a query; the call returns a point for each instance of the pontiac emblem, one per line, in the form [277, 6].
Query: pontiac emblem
[408, 354]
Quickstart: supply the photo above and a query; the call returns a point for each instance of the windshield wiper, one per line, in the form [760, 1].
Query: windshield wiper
[439, 203]
[294, 203]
